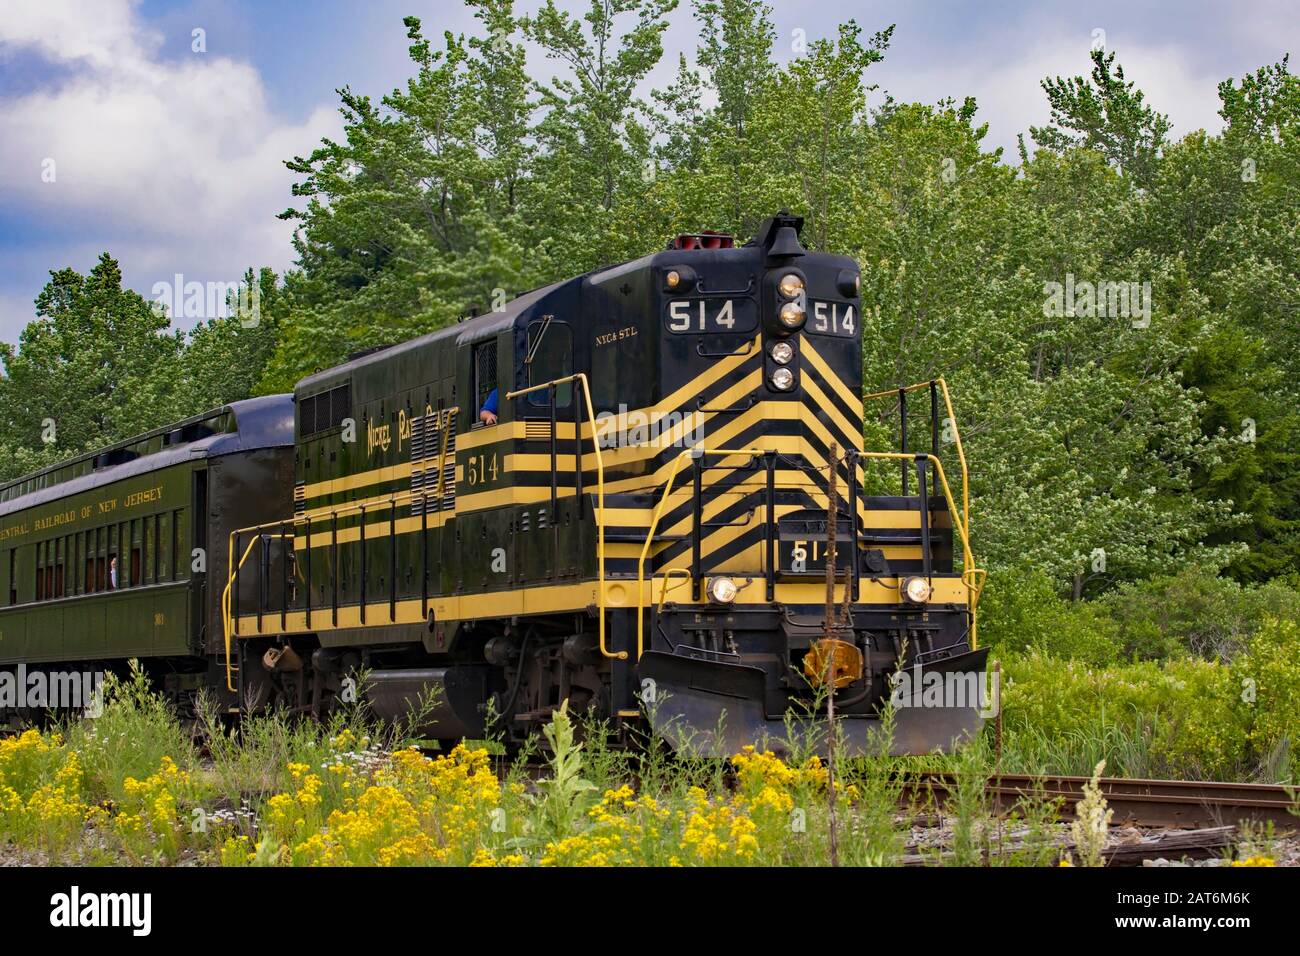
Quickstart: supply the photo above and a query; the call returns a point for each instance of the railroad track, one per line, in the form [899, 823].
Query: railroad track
[1181, 804]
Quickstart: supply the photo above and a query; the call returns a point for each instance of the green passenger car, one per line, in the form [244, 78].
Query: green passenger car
[105, 557]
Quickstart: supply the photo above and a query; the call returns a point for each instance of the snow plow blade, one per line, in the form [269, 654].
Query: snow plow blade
[712, 709]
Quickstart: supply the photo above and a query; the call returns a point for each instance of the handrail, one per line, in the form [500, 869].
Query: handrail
[226, 616]
[444, 435]
[669, 574]
[972, 576]
[333, 511]
[956, 433]
[654, 525]
[305, 518]
[600, 494]
[309, 517]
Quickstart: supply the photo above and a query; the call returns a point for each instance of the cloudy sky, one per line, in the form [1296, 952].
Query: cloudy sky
[116, 135]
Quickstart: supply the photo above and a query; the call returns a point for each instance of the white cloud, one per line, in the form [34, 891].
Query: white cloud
[99, 31]
[173, 166]
[1006, 86]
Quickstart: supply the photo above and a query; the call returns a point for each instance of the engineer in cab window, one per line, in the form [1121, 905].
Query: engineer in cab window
[488, 413]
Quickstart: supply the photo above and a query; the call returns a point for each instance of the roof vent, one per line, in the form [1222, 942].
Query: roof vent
[116, 456]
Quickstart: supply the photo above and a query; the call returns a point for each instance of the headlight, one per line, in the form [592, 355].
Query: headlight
[722, 590]
[782, 353]
[917, 590]
[792, 315]
[783, 379]
[790, 285]
[673, 279]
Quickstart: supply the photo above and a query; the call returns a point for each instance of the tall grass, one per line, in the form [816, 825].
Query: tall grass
[134, 731]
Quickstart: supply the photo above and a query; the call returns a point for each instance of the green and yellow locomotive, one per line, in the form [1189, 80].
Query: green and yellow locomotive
[638, 524]
[641, 490]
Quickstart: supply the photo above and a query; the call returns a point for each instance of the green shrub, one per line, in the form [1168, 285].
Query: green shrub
[1020, 611]
[1194, 612]
[1267, 682]
[1183, 711]
[136, 730]
[1187, 718]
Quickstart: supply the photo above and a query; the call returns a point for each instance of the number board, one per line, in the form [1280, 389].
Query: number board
[801, 546]
[833, 318]
[695, 316]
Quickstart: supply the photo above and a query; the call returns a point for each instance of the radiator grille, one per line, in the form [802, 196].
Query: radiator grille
[426, 443]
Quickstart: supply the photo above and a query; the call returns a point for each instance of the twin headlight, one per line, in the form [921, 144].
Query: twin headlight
[792, 314]
[790, 285]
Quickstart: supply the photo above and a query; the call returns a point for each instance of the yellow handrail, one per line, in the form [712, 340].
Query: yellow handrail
[445, 434]
[669, 574]
[226, 617]
[654, 525]
[310, 517]
[956, 433]
[972, 576]
[258, 530]
[600, 494]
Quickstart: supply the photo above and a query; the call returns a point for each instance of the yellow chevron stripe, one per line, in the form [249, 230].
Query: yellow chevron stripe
[847, 430]
[838, 386]
[540, 462]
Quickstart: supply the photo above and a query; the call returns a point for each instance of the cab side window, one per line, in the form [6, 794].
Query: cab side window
[485, 377]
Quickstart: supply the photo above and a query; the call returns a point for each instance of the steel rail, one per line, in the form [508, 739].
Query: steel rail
[1189, 804]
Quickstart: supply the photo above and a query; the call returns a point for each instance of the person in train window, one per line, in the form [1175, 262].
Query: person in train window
[488, 413]
[112, 574]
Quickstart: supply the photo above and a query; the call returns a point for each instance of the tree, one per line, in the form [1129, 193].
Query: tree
[736, 39]
[1266, 104]
[1144, 425]
[594, 135]
[225, 358]
[419, 214]
[1108, 115]
[91, 369]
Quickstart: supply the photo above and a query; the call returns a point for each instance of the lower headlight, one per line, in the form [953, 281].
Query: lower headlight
[722, 590]
[783, 379]
[917, 590]
[792, 315]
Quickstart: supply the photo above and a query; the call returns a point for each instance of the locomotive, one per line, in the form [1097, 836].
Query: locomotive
[641, 490]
